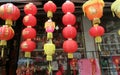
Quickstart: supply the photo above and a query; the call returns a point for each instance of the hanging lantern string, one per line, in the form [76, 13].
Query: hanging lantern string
[28, 63]
[2, 52]
[99, 47]
[50, 68]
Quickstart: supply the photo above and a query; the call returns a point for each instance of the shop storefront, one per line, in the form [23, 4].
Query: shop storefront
[14, 61]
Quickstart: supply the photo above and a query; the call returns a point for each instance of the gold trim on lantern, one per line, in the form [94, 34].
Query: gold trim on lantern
[2, 52]
[29, 26]
[49, 14]
[70, 55]
[49, 35]
[96, 21]
[8, 22]
[3, 42]
[49, 58]
[98, 39]
[27, 54]
[95, 25]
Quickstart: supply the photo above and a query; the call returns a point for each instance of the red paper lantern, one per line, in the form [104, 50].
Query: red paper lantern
[6, 33]
[29, 20]
[28, 46]
[70, 46]
[49, 6]
[9, 11]
[68, 6]
[30, 8]
[29, 33]
[69, 32]
[69, 19]
[16, 14]
[96, 31]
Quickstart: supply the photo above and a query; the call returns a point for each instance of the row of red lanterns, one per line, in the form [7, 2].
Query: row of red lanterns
[29, 33]
[69, 32]
[91, 10]
[9, 13]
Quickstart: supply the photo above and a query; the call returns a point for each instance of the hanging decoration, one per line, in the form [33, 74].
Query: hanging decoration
[29, 33]
[115, 8]
[9, 13]
[116, 62]
[73, 64]
[93, 9]
[97, 31]
[69, 32]
[49, 47]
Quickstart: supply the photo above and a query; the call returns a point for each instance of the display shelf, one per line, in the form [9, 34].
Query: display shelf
[110, 47]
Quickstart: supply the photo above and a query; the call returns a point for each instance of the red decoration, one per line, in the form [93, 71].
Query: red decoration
[70, 46]
[6, 33]
[49, 6]
[69, 19]
[30, 8]
[9, 11]
[94, 10]
[96, 31]
[68, 6]
[29, 33]
[116, 61]
[29, 20]
[28, 46]
[69, 32]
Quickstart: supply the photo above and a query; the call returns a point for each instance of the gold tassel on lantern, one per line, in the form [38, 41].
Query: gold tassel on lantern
[8, 22]
[2, 52]
[98, 40]
[49, 35]
[70, 55]
[49, 68]
[27, 54]
[28, 63]
[96, 21]
[3, 42]
[49, 14]
[49, 57]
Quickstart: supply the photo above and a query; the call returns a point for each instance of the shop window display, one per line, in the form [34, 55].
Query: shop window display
[38, 63]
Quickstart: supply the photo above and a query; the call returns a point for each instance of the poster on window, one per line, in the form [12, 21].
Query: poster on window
[116, 62]
[88, 67]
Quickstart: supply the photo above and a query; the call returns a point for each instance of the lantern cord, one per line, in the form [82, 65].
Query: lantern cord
[27, 63]
[2, 52]
[50, 68]
[99, 48]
